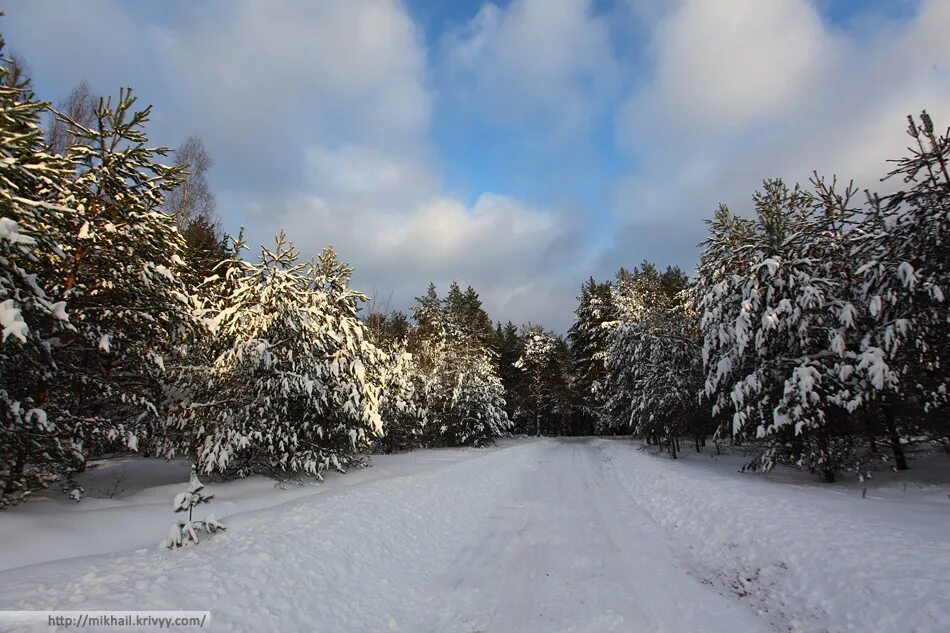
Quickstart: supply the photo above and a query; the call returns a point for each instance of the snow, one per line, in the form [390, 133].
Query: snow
[872, 556]
[134, 496]
[550, 534]
[59, 310]
[12, 321]
[10, 231]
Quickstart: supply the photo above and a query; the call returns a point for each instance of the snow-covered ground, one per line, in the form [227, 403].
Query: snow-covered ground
[532, 535]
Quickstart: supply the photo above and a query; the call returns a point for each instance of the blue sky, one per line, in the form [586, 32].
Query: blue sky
[519, 146]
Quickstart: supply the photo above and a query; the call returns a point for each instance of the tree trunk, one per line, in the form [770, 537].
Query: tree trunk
[16, 471]
[673, 447]
[872, 440]
[537, 402]
[900, 460]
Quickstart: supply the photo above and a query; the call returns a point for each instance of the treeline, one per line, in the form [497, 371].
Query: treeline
[817, 329]
[529, 369]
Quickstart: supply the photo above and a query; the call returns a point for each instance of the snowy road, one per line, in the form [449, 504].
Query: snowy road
[531, 537]
[583, 535]
[565, 551]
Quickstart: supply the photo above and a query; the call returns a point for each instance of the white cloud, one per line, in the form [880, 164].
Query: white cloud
[69, 42]
[497, 236]
[356, 66]
[533, 58]
[258, 81]
[739, 61]
[735, 101]
[368, 176]
[505, 249]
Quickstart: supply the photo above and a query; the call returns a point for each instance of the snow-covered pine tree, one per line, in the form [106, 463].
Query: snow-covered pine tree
[637, 290]
[465, 319]
[117, 271]
[848, 385]
[771, 326]
[429, 332]
[509, 346]
[465, 397]
[33, 449]
[535, 361]
[355, 395]
[471, 396]
[657, 359]
[594, 316]
[403, 398]
[184, 533]
[636, 294]
[288, 387]
[904, 282]
[403, 401]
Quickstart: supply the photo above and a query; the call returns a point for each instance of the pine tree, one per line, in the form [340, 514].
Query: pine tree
[772, 334]
[429, 331]
[184, 533]
[594, 317]
[566, 402]
[116, 269]
[657, 360]
[817, 323]
[467, 399]
[904, 282]
[465, 319]
[387, 330]
[403, 401]
[535, 361]
[452, 342]
[289, 383]
[34, 450]
[203, 251]
[640, 296]
[508, 347]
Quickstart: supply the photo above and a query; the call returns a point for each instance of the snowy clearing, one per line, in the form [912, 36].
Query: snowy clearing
[553, 535]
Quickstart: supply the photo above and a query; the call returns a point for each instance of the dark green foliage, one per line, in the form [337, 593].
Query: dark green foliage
[204, 249]
[508, 348]
[388, 331]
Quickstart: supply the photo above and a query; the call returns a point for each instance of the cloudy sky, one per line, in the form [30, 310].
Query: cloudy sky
[519, 146]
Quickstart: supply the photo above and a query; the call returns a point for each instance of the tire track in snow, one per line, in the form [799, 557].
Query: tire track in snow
[578, 556]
